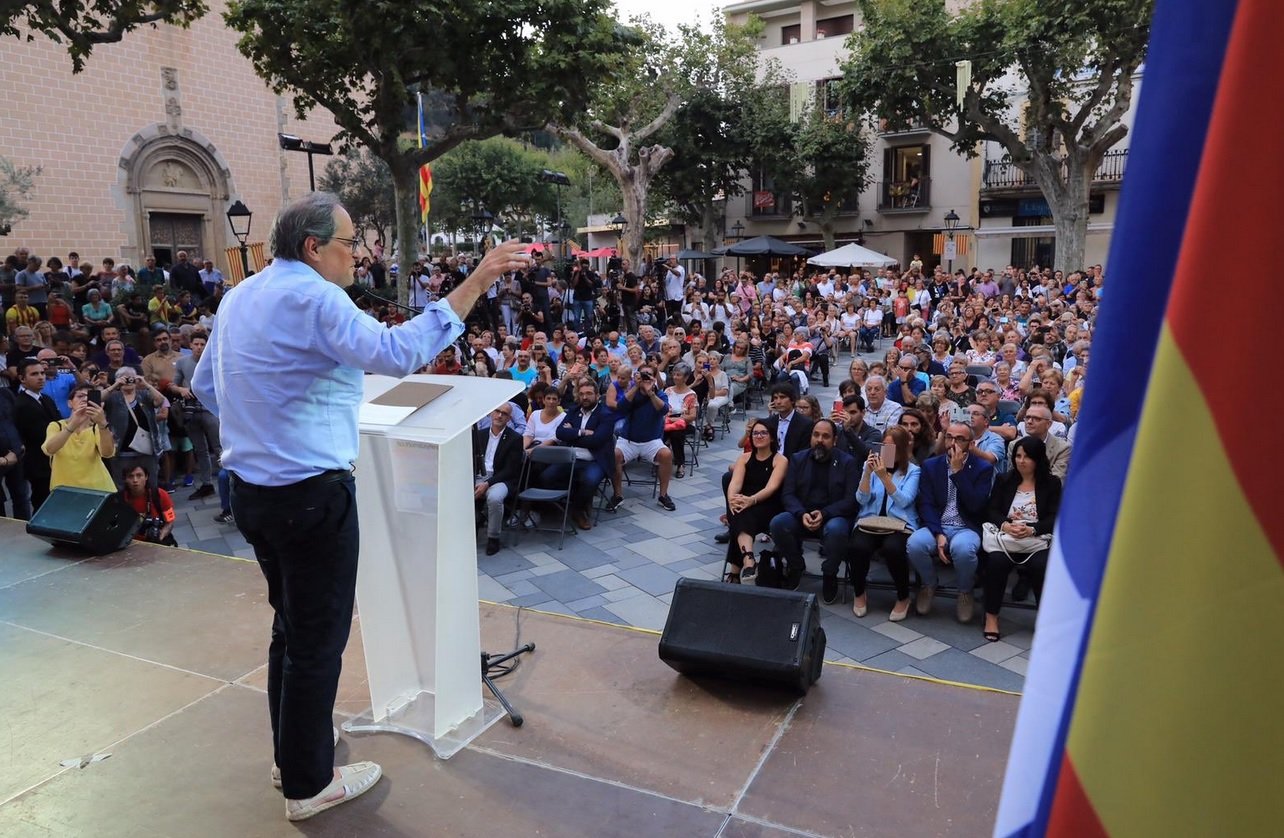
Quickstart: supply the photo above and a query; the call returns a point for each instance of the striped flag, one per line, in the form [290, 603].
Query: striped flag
[425, 171]
[1150, 703]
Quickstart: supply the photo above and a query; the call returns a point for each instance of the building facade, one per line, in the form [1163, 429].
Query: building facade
[916, 179]
[143, 152]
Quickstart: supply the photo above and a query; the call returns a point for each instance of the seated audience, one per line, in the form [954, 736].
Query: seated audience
[889, 490]
[497, 466]
[753, 498]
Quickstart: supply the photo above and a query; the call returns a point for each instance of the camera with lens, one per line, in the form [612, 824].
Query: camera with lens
[151, 529]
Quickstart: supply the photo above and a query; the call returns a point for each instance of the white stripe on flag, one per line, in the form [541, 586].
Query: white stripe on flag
[1063, 614]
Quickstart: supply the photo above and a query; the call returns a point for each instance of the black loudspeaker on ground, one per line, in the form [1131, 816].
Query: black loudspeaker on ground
[765, 635]
[99, 522]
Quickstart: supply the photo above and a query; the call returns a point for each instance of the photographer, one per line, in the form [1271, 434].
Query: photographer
[154, 504]
[530, 314]
[585, 284]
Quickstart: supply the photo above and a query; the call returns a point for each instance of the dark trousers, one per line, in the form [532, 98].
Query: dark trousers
[865, 546]
[587, 475]
[821, 362]
[38, 476]
[677, 442]
[997, 566]
[15, 483]
[305, 537]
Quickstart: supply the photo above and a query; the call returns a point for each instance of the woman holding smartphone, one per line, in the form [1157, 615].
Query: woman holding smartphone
[886, 489]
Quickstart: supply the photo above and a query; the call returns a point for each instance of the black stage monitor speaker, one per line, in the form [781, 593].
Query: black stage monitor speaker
[748, 633]
[99, 522]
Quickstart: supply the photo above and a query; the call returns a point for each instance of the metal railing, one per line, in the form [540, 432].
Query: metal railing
[905, 195]
[1002, 173]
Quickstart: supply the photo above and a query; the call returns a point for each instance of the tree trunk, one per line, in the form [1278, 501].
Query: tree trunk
[405, 185]
[708, 227]
[827, 232]
[634, 194]
[1064, 182]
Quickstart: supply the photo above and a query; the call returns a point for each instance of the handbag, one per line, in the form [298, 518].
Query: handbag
[678, 424]
[995, 540]
[141, 441]
[882, 523]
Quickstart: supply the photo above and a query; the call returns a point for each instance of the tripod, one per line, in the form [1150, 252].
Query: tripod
[496, 662]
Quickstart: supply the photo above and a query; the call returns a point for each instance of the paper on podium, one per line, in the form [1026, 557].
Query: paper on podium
[397, 403]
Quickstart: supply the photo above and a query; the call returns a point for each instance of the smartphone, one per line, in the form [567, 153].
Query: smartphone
[888, 455]
[838, 405]
[96, 396]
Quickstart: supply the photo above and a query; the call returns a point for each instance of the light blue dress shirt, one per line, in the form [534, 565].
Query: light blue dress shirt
[283, 371]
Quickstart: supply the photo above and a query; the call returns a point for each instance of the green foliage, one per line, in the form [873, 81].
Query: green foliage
[16, 183]
[498, 174]
[1076, 60]
[82, 24]
[364, 185]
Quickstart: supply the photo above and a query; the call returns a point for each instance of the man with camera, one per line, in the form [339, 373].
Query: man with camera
[585, 284]
[646, 407]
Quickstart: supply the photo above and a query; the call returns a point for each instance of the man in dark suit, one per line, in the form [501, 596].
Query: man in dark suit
[856, 436]
[589, 427]
[32, 414]
[497, 464]
[953, 493]
[793, 431]
[11, 459]
[819, 496]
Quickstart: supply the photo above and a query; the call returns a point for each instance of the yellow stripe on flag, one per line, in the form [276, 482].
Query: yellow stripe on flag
[1177, 728]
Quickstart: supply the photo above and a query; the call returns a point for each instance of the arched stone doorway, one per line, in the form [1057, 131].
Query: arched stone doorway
[175, 191]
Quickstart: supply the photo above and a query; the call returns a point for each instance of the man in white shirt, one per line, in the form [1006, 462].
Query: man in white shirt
[675, 286]
[880, 411]
[211, 278]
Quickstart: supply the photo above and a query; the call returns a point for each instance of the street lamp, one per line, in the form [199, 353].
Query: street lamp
[484, 220]
[618, 224]
[238, 216]
[951, 225]
[558, 179]
[289, 142]
[737, 230]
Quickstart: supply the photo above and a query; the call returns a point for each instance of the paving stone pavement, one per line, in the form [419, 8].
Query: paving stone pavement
[624, 570]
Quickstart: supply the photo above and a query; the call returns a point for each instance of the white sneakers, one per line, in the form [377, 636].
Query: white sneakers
[353, 781]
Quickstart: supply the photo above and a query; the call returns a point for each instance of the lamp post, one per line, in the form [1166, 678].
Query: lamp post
[558, 179]
[737, 230]
[618, 224]
[951, 224]
[238, 216]
[289, 142]
[484, 220]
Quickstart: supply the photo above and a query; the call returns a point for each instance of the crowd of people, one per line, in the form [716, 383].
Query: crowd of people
[98, 365]
[948, 449]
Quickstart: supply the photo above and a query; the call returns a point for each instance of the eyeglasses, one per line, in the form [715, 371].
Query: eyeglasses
[761, 433]
[958, 438]
[987, 392]
[355, 244]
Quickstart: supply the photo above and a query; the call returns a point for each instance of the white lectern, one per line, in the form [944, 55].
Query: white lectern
[417, 578]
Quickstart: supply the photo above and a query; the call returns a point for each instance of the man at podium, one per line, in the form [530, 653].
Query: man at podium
[283, 373]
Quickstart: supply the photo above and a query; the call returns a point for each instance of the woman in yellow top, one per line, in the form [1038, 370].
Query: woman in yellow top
[77, 446]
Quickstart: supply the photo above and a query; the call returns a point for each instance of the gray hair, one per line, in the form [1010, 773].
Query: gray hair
[876, 379]
[802, 333]
[311, 215]
[684, 369]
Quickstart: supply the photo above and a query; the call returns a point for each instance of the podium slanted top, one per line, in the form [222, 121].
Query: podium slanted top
[430, 408]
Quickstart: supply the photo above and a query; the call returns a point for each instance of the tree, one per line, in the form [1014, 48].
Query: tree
[830, 167]
[364, 185]
[499, 175]
[642, 91]
[16, 183]
[712, 133]
[481, 72]
[82, 24]
[1076, 60]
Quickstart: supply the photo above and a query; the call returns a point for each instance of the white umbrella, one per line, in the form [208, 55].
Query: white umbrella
[852, 256]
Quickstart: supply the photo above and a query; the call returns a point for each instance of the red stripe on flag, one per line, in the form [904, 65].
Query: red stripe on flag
[1072, 815]
[1224, 330]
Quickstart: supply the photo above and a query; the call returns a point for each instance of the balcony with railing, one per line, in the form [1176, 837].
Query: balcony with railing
[905, 196]
[913, 126]
[1002, 175]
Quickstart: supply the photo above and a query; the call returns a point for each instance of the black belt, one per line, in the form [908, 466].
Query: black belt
[316, 480]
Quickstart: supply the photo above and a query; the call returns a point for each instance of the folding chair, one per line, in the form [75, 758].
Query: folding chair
[560, 497]
[1009, 406]
[653, 481]
[981, 371]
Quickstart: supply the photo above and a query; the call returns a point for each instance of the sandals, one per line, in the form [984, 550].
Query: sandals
[680, 472]
[748, 572]
[991, 636]
[733, 578]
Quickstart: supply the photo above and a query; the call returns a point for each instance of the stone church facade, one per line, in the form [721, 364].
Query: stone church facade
[143, 152]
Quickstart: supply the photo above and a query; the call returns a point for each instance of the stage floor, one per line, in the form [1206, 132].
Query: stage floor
[155, 656]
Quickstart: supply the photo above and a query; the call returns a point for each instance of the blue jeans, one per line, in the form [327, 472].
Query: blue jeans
[869, 336]
[583, 314]
[962, 550]
[224, 490]
[787, 531]
[305, 537]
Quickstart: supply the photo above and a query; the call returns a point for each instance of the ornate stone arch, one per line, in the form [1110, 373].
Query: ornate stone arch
[180, 174]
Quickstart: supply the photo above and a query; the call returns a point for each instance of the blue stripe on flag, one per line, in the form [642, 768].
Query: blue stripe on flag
[1187, 47]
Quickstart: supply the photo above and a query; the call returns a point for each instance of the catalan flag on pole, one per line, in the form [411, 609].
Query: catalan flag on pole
[1152, 702]
[425, 171]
